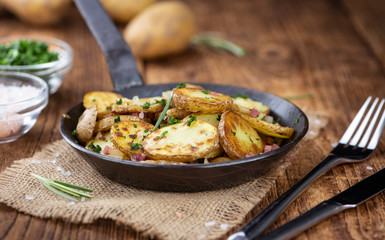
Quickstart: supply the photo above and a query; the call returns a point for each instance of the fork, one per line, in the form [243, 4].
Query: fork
[356, 145]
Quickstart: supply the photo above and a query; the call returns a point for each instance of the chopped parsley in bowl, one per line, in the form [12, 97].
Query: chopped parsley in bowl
[47, 58]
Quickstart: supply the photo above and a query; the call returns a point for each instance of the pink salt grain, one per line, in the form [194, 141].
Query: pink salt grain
[10, 121]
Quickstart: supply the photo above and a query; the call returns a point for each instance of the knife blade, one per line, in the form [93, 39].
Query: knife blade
[350, 198]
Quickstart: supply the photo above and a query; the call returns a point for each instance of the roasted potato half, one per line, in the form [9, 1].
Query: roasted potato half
[105, 124]
[269, 129]
[238, 137]
[103, 101]
[102, 143]
[198, 100]
[86, 124]
[245, 106]
[182, 142]
[128, 136]
[146, 105]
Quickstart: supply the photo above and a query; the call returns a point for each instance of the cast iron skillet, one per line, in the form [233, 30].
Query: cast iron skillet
[163, 177]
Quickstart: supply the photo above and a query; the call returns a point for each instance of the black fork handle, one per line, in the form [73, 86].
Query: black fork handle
[260, 223]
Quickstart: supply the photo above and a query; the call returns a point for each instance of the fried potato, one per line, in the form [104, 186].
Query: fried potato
[103, 144]
[220, 159]
[269, 129]
[163, 162]
[128, 136]
[197, 100]
[177, 113]
[103, 101]
[146, 105]
[105, 124]
[86, 124]
[238, 137]
[244, 105]
[182, 142]
[212, 118]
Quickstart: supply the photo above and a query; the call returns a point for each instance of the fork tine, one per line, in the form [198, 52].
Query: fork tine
[362, 127]
[365, 138]
[377, 134]
[349, 132]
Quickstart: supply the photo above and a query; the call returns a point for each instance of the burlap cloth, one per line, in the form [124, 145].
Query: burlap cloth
[164, 215]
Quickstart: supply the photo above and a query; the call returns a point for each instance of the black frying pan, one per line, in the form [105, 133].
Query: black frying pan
[163, 177]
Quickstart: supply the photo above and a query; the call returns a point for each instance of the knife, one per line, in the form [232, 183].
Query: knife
[349, 198]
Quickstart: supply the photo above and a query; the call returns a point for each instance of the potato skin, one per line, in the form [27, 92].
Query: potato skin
[197, 100]
[269, 129]
[86, 124]
[123, 11]
[162, 29]
[238, 138]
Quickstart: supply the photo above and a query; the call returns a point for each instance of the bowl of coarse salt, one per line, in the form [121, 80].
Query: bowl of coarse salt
[22, 97]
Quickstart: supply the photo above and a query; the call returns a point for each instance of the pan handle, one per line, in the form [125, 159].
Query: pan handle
[120, 60]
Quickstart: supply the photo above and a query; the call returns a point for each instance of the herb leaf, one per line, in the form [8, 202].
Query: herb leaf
[63, 189]
[192, 118]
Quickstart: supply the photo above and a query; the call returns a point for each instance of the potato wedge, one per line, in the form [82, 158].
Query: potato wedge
[244, 105]
[212, 118]
[145, 105]
[103, 100]
[269, 129]
[86, 124]
[105, 124]
[182, 142]
[102, 143]
[128, 136]
[197, 100]
[238, 137]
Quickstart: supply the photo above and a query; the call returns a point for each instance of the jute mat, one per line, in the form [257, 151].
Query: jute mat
[164, 215]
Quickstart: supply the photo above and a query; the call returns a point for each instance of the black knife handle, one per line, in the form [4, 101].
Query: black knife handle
[121, 62]
[260, 223]
[307, 220]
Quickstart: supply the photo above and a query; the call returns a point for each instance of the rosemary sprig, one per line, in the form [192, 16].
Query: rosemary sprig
[163, 112]
[217, 42]
[64, 189]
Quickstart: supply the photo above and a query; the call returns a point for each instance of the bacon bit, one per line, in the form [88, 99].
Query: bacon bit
[268, 148]
[106, 150]
[102, 137]
[254, 112]
[275, 146]
[249, 155]
[139, 157]
[213, 93]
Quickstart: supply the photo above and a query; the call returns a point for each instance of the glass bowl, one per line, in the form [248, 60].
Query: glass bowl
[52, 72]
[22, 97]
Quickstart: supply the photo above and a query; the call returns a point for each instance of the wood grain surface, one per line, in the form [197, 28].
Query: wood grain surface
[333, 49]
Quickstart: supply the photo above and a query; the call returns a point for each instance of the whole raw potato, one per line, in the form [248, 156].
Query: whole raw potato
[164, 28]
[123, 10]
[38, 12]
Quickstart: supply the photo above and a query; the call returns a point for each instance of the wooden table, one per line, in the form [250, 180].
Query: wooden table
[334, 49]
